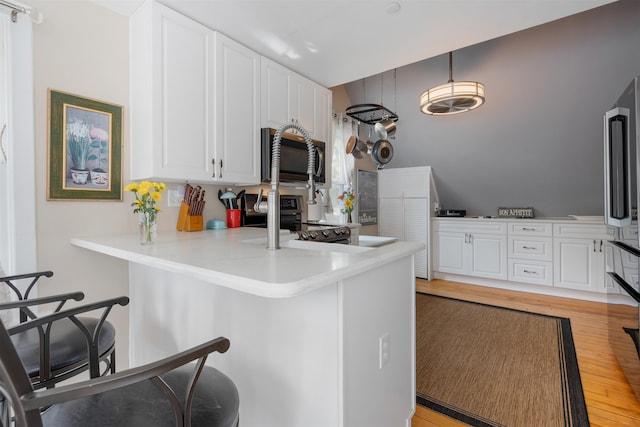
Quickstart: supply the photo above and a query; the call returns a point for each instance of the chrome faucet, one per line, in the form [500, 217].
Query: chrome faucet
[272, 206]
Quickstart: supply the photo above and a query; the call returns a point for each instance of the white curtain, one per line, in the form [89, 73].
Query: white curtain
[343, 164]
[17, 157]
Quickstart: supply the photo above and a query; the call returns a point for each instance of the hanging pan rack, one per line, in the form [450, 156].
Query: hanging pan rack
[370, 113]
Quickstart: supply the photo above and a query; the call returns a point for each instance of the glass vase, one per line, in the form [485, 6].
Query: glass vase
[349, 219]
[148, 228]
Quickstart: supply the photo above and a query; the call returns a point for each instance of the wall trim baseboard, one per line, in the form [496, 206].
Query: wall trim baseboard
[538, 289]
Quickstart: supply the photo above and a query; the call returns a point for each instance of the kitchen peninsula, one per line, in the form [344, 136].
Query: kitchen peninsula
[321, 334]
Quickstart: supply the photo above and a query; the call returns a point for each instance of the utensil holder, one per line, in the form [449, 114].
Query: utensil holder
[233, 218]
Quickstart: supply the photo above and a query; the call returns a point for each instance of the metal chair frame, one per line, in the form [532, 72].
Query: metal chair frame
[23, 403]
[46, 376]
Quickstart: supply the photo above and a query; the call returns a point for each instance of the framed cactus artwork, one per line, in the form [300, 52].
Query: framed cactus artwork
[85, 149]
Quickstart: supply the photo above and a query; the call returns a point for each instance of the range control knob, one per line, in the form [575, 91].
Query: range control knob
[325, 233]
[313, 234]
[304, 235]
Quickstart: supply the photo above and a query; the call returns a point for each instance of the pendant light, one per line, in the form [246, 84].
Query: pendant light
[452, 97]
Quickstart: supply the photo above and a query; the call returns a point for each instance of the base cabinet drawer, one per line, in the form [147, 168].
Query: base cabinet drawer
[528, 271]
[534, 248]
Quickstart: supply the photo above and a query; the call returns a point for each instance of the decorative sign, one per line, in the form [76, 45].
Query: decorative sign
[368, 197]
[515, 212]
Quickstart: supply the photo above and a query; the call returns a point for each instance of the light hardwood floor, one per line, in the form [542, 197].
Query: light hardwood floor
[610, 400]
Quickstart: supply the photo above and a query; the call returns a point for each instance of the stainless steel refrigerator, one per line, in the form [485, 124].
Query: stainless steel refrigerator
[622, 163]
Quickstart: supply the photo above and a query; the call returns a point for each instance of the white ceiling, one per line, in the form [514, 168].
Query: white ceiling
[338, 41]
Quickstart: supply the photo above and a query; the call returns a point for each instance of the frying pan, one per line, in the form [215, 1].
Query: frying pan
[382, 152]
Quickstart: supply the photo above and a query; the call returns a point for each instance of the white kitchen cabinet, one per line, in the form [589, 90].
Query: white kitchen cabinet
[472, 248]
[579, 256]
[289, 97]
[406, 219]
[530, 252]
[237, 124]
[194, 101]
[405, 201]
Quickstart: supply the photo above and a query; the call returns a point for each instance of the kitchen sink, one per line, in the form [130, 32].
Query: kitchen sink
[374, 241]
[313, 246]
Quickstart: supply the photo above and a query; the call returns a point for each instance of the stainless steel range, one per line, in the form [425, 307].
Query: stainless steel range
[291, 219]
[325, 233]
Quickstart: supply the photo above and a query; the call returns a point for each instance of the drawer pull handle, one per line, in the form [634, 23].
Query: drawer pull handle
[528, 229]
[529, 247]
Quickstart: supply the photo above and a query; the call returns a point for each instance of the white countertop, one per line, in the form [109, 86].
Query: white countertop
[375, 241]
[237, 258]
[571, 218]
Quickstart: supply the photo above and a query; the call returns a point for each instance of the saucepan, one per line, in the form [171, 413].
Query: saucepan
[356, 146]
[385, 128]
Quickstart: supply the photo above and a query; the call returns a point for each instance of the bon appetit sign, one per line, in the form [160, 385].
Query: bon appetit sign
[515, 212]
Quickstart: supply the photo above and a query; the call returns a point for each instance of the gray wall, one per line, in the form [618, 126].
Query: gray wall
[537, 141]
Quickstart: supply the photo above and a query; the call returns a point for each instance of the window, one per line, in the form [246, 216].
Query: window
[342, 165]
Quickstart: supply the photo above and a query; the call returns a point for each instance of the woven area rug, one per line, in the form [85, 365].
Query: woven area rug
[493, 366]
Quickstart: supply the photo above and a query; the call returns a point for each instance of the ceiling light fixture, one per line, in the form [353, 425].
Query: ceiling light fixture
[452, 97]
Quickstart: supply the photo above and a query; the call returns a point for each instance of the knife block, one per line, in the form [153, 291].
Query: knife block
[188, 222]
[193, 223]
[182, 216]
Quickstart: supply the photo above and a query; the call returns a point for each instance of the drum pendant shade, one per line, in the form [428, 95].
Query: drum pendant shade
[452, 97]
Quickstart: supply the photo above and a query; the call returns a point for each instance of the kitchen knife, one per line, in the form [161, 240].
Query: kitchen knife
[187, 193]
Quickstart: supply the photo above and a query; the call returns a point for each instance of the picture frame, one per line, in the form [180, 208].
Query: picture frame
[84, 148]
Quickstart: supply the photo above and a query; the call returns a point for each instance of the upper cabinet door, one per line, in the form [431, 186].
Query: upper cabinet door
[172, 94]
[276, 94]
[288, 97]
[237, 112]
[304, 104]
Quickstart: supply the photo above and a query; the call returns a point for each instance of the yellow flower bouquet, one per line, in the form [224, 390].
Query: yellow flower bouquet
[348, 200]
[147, 194]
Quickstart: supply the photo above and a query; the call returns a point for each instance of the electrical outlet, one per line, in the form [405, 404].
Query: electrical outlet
[174, 198]
[383, 344]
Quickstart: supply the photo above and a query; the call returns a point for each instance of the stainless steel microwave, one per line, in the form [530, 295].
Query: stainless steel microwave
[293, 157]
